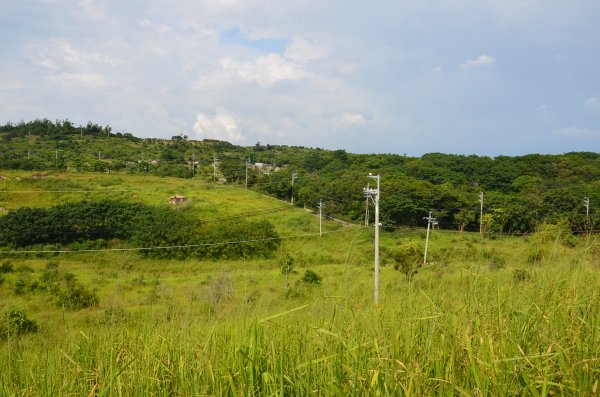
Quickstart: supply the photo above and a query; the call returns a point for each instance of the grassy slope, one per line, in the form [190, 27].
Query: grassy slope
[195, 327]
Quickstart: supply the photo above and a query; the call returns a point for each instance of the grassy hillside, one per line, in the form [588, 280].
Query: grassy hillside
[491, 316]
[520, 193]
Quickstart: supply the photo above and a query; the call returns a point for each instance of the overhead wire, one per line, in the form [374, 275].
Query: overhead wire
[65, 251]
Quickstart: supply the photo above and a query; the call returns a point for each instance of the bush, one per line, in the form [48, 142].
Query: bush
[16, 322]
[6, 267]
[521, 275]
[407, 258]
[20, 285]
[543, 242]
[311, 278]
[77, 297]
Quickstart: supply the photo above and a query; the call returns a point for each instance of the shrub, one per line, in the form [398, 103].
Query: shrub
[521, 275]
[115, 315]
[311, 278]
[219, 290]
[6, 267]
[407, 258]
[20, 285]
[77, 297]
[547, 237]
[16, 322]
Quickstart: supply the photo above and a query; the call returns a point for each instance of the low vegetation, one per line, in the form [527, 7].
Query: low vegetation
[489, 315]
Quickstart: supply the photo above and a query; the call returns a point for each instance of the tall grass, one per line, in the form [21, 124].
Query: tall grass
[483, 334]
[481, 319]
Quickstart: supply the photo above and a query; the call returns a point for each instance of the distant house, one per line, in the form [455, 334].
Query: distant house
[177, 199]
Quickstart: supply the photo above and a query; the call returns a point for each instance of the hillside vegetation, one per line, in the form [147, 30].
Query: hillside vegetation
[107, 289]
[499, 316]
[519, 192]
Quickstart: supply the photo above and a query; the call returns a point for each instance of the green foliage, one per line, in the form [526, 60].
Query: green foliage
[464, 217]
[521, 192]
[287, 264]
[76, 296]
[407, 258]
[548, 238]
[244, 239]
[16, 322]
[67, 223]
[88, 225]
[521, 275]
[6, 267]
[311, 278]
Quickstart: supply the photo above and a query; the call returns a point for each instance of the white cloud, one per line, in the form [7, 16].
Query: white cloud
[578, 132]
[58, 54]
[222, 126]
[348, 120]
[302, 50]
[265, 70]
[592, 103]
[479, 61]
[92, 80]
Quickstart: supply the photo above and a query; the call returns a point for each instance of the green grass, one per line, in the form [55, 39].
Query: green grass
[465, 325]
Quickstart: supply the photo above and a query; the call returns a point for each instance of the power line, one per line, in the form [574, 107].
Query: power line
[68, 191]
[175, 246]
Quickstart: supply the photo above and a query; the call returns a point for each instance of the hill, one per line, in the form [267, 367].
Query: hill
[519, 193]
[502, 316]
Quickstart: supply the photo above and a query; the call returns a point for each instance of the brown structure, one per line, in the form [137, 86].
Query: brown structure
[177, 199]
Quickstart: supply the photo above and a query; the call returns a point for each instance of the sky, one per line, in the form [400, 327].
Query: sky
[486, 77]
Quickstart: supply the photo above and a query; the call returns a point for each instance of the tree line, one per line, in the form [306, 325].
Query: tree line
[154, 231]
[520, 192]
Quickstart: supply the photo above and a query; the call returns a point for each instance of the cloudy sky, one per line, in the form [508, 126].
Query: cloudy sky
[483, 77]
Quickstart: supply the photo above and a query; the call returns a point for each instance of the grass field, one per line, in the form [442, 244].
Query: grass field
[485, 317]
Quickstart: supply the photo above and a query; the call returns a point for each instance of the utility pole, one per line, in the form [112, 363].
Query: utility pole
[374, 195]
[81, 132]
[247, 164]
[98, 155]
[193, 164]
[215, 164]
[586, 204]
[320, 218]
[367, 207]
[481, 214]
[294, 177]
[430, 221]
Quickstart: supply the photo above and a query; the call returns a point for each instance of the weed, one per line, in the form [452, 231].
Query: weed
[521, 275]
[114, 314]
[219, 290]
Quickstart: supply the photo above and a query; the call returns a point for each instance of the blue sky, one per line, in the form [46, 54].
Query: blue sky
[488, 77]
